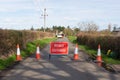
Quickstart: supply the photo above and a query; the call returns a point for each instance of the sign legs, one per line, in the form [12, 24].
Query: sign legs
[49, 56]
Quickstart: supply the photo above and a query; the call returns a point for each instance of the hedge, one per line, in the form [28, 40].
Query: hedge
[9, 39]
[107, 42]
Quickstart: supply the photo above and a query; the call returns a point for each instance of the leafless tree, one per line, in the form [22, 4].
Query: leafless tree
[88, 26]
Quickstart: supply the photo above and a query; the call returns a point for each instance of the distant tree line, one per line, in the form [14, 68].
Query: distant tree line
[66, 30]
[88, 27]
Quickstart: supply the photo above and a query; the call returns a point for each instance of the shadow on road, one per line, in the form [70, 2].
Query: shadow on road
[58, 68]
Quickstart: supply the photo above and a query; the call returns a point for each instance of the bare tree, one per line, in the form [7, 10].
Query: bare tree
[88, 26]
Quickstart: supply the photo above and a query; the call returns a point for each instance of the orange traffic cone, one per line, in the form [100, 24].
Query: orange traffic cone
[76, 56]
[18, 57]
[38, 53]
[99, 58]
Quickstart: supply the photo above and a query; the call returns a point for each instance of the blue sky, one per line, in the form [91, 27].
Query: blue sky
[22, 14]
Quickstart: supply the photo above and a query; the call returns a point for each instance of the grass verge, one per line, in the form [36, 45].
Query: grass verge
[30, 49]
[93, 52]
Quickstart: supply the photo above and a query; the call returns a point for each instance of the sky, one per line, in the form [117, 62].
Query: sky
[23, 14]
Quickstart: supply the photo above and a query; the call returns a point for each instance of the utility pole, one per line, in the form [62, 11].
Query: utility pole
[44, 15]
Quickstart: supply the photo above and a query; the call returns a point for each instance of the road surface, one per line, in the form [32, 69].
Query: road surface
[59, 68]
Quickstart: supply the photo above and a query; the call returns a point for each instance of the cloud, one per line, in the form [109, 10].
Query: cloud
[19, 22]
[61, 12]
[70, 18]
[15, 5]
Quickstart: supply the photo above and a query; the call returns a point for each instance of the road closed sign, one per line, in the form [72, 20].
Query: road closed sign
[58, 48]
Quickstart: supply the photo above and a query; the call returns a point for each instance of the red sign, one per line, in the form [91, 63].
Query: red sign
[59, 48]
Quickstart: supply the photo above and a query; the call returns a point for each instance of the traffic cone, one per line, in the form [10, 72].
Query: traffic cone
[38, 53]
[99, 58]
[76, 56]
[18, 57]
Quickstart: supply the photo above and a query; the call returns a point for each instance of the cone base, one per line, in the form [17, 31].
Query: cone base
[18, 58]
[99, 64]
[75, 57]
[99, 59]
[37, 56]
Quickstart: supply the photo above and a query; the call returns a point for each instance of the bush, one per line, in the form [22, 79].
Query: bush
[9, 39]
[106, 41]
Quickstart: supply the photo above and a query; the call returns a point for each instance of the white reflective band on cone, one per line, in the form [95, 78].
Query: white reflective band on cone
[99, 52]
[18, 51]
[38, 52]
[76, 50]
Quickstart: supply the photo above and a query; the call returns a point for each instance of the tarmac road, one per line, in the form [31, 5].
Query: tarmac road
[59, 68]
